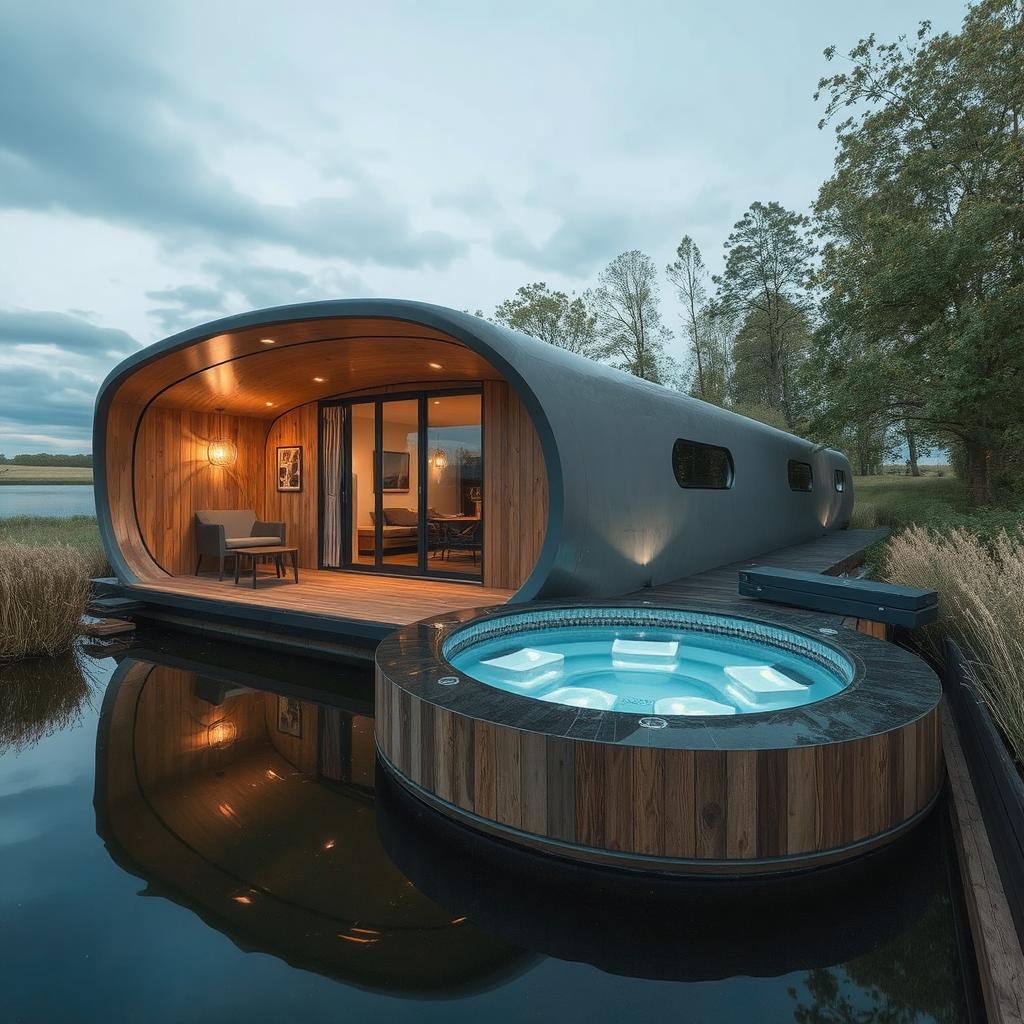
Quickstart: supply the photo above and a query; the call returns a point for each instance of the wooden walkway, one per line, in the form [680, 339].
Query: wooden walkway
[833, 554]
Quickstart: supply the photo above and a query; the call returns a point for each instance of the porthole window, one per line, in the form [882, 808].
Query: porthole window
[801, 477]
[840, 480]
[702, 465]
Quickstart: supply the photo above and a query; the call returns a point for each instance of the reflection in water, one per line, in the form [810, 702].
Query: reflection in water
[39, 697]
[255, 809]
[257, 803]
[874, 936]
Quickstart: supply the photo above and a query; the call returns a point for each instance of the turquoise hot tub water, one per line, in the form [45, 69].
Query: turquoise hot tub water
[688, 665]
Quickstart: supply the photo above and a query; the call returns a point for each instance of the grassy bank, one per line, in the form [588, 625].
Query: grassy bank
[45, 475]
[80, 533]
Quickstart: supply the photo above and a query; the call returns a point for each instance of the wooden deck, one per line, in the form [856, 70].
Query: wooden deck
[833, 554]
[360, 604]
[365, 607]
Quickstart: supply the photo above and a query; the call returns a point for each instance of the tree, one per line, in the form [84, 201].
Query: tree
[768, 267]
[552, 316]
[629, 318]
[702, 323]
[765, 361]
[925, 225]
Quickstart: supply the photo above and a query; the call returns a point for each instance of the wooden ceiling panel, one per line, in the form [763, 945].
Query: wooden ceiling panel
[263, 380]
[240, 362]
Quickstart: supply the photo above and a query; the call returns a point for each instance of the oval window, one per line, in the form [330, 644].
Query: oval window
[702, 465]
[801, 476]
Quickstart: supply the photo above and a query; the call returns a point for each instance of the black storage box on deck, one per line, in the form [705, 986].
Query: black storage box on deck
[864, 599]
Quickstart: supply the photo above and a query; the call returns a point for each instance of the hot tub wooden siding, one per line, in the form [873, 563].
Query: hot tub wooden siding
[727, 811]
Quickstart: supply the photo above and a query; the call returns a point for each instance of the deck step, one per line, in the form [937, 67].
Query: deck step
[106, 586]
[92, 625]
[113, 606]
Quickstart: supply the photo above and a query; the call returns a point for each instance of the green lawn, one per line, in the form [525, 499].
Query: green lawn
[79, 532]
[939, 503]
[892, 500]
[45, 475]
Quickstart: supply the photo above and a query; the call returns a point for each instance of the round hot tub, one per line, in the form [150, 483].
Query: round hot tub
[650, 662]
[659, 738]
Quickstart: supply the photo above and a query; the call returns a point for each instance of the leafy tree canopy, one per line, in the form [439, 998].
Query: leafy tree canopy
[924, 224]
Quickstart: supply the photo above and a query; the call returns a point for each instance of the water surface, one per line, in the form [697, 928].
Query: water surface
[47, 500]
[198, 832]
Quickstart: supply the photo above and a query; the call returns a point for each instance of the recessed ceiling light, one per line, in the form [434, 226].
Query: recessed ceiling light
[320, 380]
[437, 401]
[269, 404]
[267, 341]
[435, 366]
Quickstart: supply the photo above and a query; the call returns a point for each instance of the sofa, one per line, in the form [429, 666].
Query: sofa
[399, 529]
[221, 532]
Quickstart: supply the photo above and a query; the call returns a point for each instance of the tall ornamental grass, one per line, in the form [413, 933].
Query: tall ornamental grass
[981, 606]
[43, 595]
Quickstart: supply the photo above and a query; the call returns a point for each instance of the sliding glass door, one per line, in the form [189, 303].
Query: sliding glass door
[455, 485]
[409, 472]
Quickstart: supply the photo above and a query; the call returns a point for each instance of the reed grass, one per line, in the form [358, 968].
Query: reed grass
[980, 583]
[80, 532]
[43, 595]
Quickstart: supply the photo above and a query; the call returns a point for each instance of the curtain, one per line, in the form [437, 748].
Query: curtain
[330, 541]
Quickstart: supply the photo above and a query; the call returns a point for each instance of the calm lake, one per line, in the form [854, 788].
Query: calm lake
[195, 831]
[46, 500]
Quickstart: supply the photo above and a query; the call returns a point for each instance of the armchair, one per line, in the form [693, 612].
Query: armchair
[221, 532]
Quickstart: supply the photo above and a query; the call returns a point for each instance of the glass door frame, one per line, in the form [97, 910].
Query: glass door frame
[422, 569]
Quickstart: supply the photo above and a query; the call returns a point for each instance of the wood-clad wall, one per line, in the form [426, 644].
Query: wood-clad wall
[515, 489]
[173, 478]
[732, 805]
[299, 510]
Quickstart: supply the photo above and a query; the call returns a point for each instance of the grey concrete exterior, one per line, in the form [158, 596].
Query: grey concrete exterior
[618, 520]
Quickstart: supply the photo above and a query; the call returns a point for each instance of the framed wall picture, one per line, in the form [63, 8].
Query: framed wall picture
[394, 472]
[289, 716]
[289, 468]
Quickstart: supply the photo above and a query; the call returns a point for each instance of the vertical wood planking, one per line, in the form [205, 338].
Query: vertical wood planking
[508, 777]
[680, 804]
[714, 805]
[515, 488]
[712, 795]
[773, 803]
[172, 478]
[648, 801]
[801, 800]
[741, 804]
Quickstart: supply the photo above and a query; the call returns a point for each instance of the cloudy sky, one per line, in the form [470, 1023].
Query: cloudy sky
[165, 164]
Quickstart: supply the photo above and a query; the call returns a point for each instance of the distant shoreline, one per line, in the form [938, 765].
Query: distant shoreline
[44, 482]
[14, 475]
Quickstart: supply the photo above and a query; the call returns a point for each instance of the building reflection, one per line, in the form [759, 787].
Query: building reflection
[251, 802]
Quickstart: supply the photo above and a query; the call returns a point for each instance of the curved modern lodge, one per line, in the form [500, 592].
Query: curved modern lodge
[353, 473]
[423, 460]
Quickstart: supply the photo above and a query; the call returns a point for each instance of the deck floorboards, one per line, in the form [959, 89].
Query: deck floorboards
[331, 600]
[349, 597]
[719, 588]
